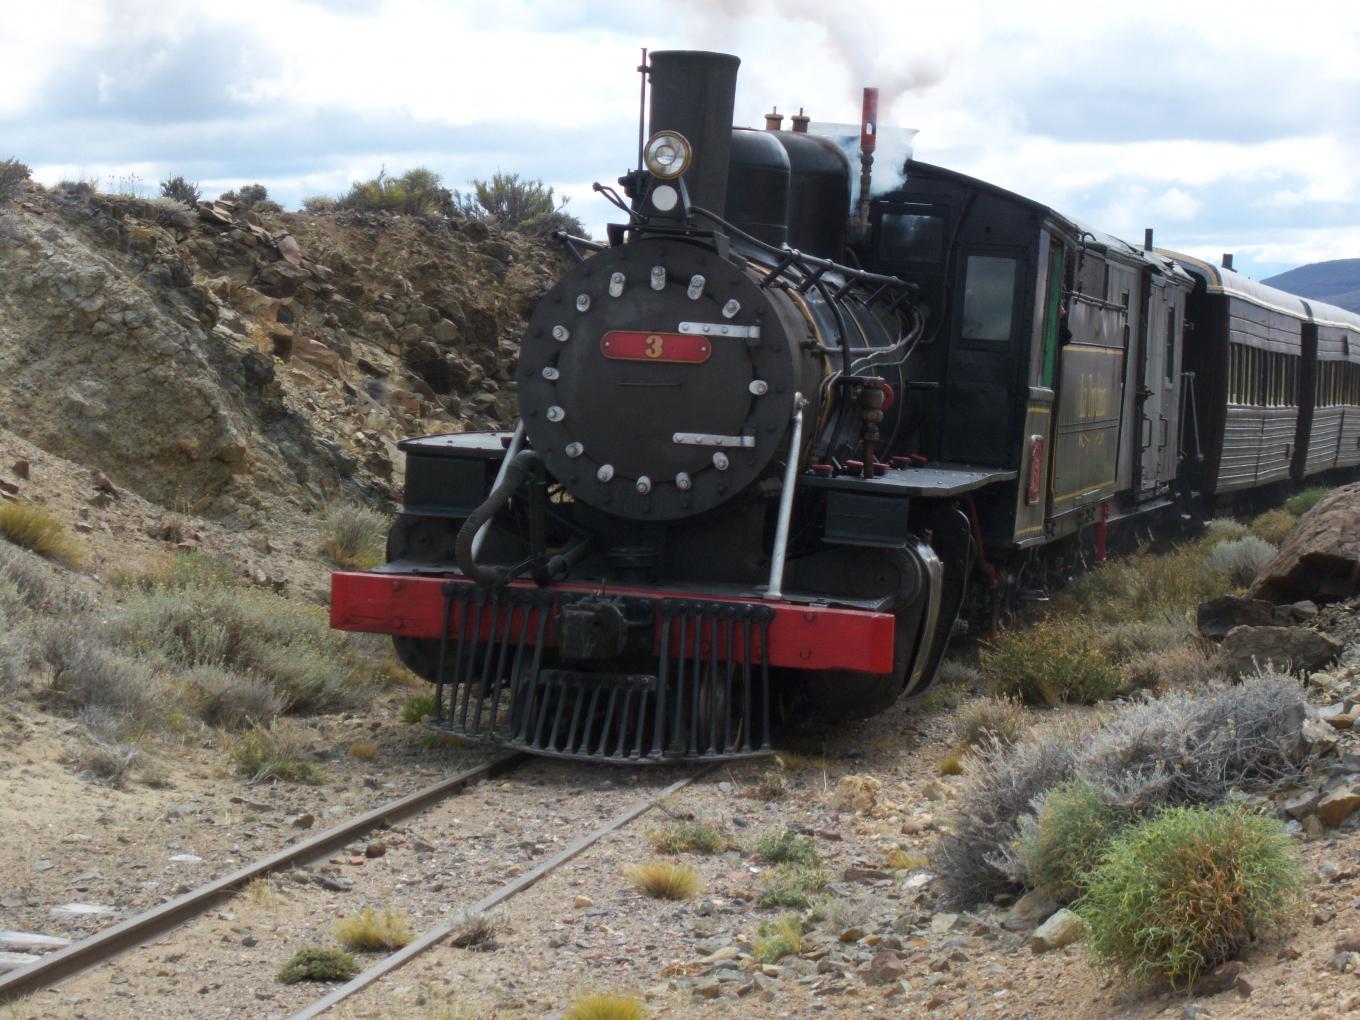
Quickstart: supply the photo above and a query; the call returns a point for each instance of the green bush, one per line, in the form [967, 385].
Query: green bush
[524, 206]
[181, 191]
[1241, 560]
[1143, 586]
[786, 848]
[317, 964]
[1274, 526]
[1301, 502]
[990, 720]
[416, 709]
[251, 196]
[1050, 662]
[688, 837]
[1224, 529]
[1186, 891]
[792, 886]
[12, 176]
[417, 192]
[278, 752]
[1062, 842]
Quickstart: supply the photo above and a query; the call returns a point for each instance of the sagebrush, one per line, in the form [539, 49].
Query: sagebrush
[1241, 559]
[354, 536]
[1301, 502]
[1274, 526]
[1180, 894]
[1049, 662]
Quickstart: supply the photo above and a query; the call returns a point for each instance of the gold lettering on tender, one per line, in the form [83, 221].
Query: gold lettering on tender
[1094, 401]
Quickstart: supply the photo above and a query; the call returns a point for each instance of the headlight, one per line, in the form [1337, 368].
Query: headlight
[667, 155]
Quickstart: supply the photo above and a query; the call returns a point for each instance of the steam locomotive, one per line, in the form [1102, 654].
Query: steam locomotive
[775, 443]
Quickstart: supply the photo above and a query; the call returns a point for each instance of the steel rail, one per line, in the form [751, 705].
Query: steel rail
[435, 936]
[141, 928]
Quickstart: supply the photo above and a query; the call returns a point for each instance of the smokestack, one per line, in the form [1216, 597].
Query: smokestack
[1147, 239]
[1227, 260]
[800, 122]
[774, 120]
[694, 92]
[868, 139]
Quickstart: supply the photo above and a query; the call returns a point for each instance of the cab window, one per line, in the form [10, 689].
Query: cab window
[989, 298]
[911, 237]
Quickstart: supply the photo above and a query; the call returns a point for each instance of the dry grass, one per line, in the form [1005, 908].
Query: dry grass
[664, 880]
[1000, 720]
[37, 528]
[363, 750]
[478, 931]
[1051, 661]
[951, 764]
[785, 847]
[279, 752]
[355, 537]
[778, 938]
[1144, 586]
[371, 931]
[899, 860]
[598, 1006]
[792, 886]
[688, 837]
[264, 894]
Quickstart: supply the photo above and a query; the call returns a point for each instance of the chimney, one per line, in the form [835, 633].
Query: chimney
[694, 92]
[774, 120]
[800, 122]
[1147, 239]
[868, 139]
[1227, 260]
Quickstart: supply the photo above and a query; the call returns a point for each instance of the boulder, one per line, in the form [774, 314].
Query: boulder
[1218, 616]
[1320, 560]
[1338, 805]
[1062, 929]
[1246, 649]
[1030, 910]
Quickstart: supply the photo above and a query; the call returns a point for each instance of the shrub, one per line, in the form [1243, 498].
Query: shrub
[100, 753]
[171, 212]
[37, 528]
[477, 930]
[1170, 668]
[320, 204]
[1061, 843]
[1123, 642]
[13, 655]
[369, 931]
[185, 568]
[778, 938]
[1142, 586]
[29, 580]
[1225, 529]
[354, 536]
[85, 674]
[278, 752]
[417, 709]
[952, 763]
[1273, 526]
[786, 848]
[1301, 502]
[365, 750]
[255, 633]
[990, 720]
[318, 964]
[181, 191]
[524, 206]
[1186, 891]
[1187, 747]
[688, 837]
[13, 174]
[792, 886]
[251, 196]
[1241, 559]
[605, 1007]
[664, 880]
[1050, 662]
[417, 192]
[231, 700]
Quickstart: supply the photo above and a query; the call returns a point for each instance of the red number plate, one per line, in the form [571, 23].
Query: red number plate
[626, 345]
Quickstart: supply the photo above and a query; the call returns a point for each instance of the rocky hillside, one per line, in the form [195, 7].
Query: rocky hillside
[1337, 282]
[229, 363]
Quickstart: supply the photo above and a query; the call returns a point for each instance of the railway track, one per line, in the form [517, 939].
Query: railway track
[155, 925]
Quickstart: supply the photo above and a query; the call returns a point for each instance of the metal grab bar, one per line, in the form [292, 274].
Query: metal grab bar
[775, 588]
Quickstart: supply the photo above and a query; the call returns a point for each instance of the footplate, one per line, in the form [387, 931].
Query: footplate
[691, 682]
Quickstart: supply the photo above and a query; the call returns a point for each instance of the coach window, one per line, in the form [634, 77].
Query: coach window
[1170, 365]
[989, 298]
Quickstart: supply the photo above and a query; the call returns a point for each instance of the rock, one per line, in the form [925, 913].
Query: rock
[1337, 806]
[1320, 559]
[1222, 978]
[884, 968]
[186, 859]
[856, 793]
[1062, 929]
[942, 923]
[1313, 827]
[289, 248]
[13, 961]
[43, 864]
[1317, 737]
[318, 355]
[1030, 911]
[102, 484]
[9, 487]
[21, 469]
[476, 230]
[30, 942]
[1218, 616]
[582, 901]
[375, 849]
[1247, 649]
[303, 821]
[79, 910]
[1302, 804]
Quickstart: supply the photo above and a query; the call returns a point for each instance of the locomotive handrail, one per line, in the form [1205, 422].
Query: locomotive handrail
[808, 263]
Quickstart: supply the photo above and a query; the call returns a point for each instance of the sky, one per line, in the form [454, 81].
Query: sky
[1226, 127]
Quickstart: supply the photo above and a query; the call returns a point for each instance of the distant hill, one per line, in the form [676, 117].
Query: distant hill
[1337, 282]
